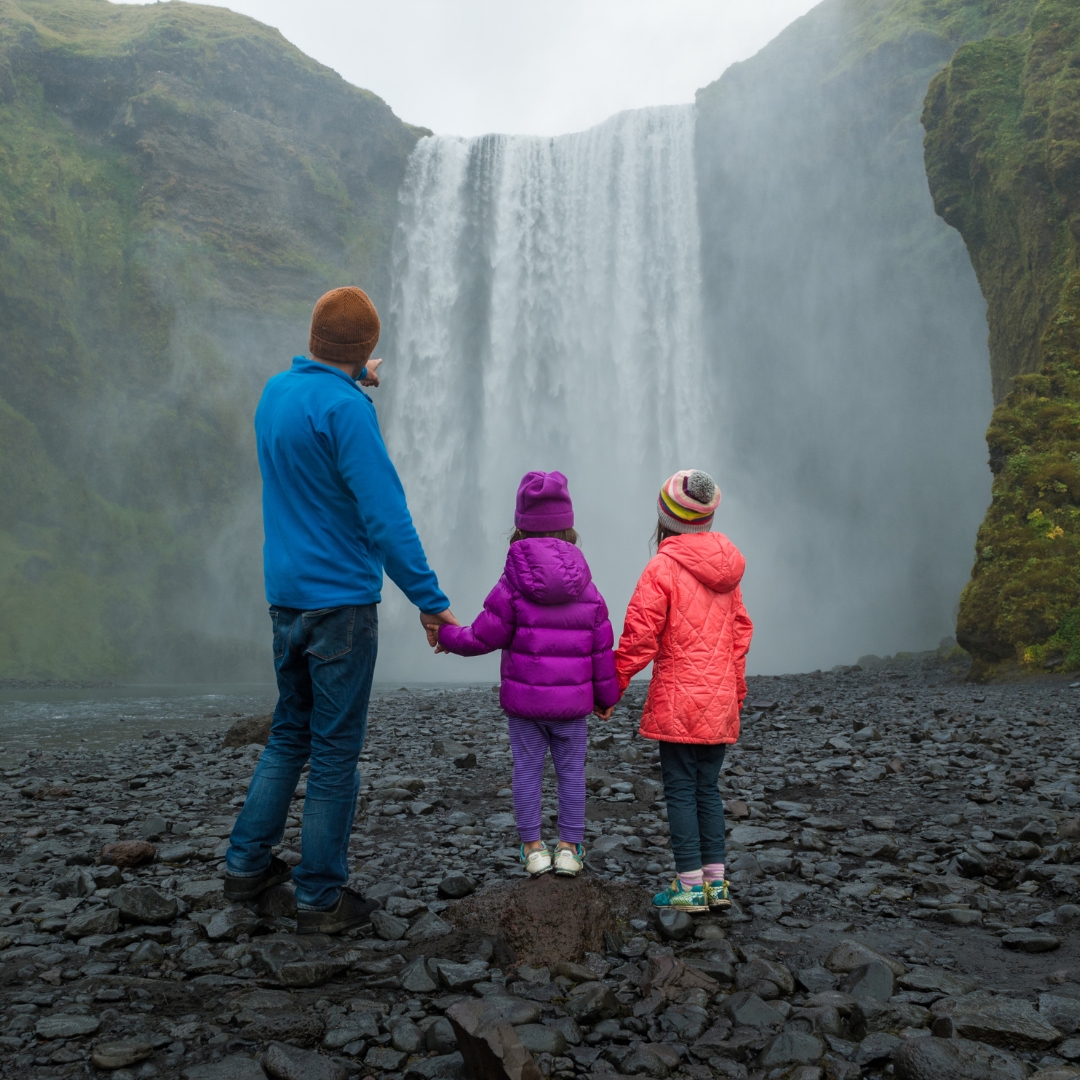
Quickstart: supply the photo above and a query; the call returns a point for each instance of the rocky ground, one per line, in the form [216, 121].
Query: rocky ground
[901, 847]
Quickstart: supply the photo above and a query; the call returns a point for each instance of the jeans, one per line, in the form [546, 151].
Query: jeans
[324, 662]
[691, 774]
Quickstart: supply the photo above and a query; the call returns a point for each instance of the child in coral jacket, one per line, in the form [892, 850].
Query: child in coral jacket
[687, 617]
[557, 666]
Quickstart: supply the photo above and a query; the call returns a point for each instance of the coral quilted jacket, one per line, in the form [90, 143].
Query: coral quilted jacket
[553, 628]
[687, 615]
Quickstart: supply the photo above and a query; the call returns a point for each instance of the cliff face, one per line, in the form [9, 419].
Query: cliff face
[1003, 156]
[177, 185]
[848, 321]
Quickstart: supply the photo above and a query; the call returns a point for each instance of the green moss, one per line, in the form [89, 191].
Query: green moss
[1003, 157]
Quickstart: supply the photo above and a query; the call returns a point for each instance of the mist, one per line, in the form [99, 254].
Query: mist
[757, 287]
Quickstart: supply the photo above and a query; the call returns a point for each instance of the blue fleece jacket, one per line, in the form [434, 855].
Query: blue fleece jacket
[334, 511]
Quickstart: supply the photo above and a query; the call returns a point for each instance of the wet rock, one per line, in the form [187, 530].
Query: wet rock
[66, 1026]
[414, 977]
[932, 1058]
[1005, 1022]
[540, 1039]
[143, 904]
[874, 980]
[148, 952]
[234, 1067]
[460, 977]
[765, 975]
[848, 955]
[128, 853]
[307, 973]
[791, 1048]
[98, 921]
[301, 1029]
[455, 886]
[749, 1010]
[230, 924]
[290, 1063]
[674, 925]
[1032, 941]
[877, 1047]
[589, 1002]
[406, 1036]
[388, 927]
[249, 730]
[491, 1050]
[445, 1067]
[118, 1055]
[429, 927]
[439, 1037]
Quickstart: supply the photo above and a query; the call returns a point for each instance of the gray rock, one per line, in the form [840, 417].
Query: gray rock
[406, 1036]
[746, 835]
[429, 927]
[385, 1059]
[877, 1046]
[231, 923]
[250, 730]
[513, 1010]
[1060, 1012]
[279, 901]
[234, 1067]
[791, 1048]
[457, 752]
[1023, 940]
[847, 955]
[148, 952]
[491, 1049]
[460, 976]
[649, 1059]
[143, 904]
[415, 978]
[439, 1037]
[999, 1021]
[760, 972]
[455, 886]
[873, 980]
[98, 921]
[816, 979]
[540, 1039]
[929, 979]
[75, 881]
[687, 1022]
[931, 1058]
[305, 973]
[176, 854]
[352, 1029]
[388, 927]
[118, 1055]
[674, 925]
[749, 1010]
[66, 1026]
[590, 1002]
[153, 827]
[446, 1067]
[301, 1029]
[290, 1063]
[571, 1032]
[403, 907]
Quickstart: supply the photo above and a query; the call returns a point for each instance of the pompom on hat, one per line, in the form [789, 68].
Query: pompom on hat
[688, 501]
[543, 503]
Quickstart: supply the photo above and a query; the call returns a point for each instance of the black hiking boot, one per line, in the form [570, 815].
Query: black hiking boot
[350, 911]
[239, 888]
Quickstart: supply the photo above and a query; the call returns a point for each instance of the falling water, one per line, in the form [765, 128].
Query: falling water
[547, 315]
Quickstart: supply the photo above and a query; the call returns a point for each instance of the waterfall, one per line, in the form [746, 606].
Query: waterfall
[547, 314]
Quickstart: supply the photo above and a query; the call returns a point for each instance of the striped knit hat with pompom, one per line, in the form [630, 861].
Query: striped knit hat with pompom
[688, 502]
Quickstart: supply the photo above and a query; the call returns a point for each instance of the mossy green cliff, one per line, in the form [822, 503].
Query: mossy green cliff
[177, 185]
[1003, 157]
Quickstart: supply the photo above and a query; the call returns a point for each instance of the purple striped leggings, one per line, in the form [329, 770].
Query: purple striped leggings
[530, 741]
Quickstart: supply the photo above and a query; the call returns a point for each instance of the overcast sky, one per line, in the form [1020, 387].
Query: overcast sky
[467, 67]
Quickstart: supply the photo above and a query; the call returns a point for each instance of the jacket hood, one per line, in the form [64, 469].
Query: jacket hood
[711, 557]
[547, 571]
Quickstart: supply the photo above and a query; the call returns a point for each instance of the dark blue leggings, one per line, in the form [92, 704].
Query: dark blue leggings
[691, 775]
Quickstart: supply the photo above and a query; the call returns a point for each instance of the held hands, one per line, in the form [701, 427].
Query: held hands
[604, 714]
[372, 376]
[431, 624]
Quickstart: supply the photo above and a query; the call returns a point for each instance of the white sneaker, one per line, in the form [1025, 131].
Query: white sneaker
[569, 862]
[537, 862]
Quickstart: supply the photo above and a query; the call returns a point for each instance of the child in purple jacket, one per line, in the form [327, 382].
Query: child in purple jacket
[557, 663]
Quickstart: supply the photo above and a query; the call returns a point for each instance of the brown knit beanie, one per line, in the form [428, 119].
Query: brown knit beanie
[344, 326]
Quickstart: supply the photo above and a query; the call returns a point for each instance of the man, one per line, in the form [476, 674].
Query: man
[334, 516]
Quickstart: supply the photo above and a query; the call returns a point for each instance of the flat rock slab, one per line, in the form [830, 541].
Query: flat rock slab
[1006, 1022]
[290, 1063]
[118, 1055]
[143, 904]
[235, 1067]
[748, 835]
[848, 954]
[931, 1058]
[66, 1026]
[1030, 941]
[929, 979]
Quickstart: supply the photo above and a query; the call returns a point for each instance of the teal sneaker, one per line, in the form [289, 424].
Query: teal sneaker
[718, 894]
[675, 896]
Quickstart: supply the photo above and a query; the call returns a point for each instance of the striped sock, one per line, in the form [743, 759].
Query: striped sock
[691, 878]
[713, 871]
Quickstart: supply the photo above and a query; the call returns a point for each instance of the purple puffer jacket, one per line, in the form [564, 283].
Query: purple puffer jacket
[552, 625]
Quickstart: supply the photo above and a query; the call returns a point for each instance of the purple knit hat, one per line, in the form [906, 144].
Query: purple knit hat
[543, 503]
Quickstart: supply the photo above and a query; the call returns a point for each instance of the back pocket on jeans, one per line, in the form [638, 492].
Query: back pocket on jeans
[329, 632]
